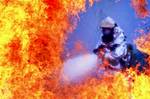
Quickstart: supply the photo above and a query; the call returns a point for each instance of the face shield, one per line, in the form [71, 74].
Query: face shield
[107, 31]
[108, 35]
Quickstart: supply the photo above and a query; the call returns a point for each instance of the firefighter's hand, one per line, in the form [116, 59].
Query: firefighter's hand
[101, 47]
[95, 51]
[98, 49]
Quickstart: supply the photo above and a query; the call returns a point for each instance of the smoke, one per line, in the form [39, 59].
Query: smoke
[79, 67]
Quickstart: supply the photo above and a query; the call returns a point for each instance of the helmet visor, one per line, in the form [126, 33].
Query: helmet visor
[107, 31]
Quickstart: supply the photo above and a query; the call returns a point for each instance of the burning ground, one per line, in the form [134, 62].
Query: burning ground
[32, 38]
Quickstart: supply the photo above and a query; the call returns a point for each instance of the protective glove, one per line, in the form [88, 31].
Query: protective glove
[97, 49]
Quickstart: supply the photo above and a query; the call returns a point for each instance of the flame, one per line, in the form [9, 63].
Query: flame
[143, 44]
[140, 7]
[33, 34]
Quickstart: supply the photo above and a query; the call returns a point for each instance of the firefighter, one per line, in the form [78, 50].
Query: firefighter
[113, 41]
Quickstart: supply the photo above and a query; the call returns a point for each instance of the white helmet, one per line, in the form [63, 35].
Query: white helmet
[108, 22]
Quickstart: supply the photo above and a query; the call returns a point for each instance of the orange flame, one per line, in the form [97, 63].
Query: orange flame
[140, 7]
[143, 43]
[32, 35]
